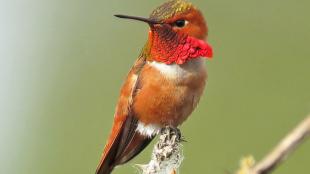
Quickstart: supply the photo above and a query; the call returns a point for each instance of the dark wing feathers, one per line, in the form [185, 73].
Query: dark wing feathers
[124, 142]
[136, 145]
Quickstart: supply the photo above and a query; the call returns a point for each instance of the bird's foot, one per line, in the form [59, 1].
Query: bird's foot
[172, 133]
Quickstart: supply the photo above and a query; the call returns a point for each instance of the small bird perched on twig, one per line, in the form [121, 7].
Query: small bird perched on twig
[165, 83]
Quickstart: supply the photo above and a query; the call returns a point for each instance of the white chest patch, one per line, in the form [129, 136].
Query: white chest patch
[180, 71]
[148, 130]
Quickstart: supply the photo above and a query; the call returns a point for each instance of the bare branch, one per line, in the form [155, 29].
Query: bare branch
[285, 147]
[167, 153]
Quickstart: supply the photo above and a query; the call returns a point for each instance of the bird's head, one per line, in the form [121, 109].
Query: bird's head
[177, 33]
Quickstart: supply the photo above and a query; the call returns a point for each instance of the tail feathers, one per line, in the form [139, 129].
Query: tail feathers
[107, 164]
[125, 145]
[136, 145]
[105, 170]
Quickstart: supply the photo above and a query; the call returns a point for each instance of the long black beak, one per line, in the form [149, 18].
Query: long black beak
[149, 21]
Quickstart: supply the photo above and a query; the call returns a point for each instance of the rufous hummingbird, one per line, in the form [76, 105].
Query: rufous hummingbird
[164, 85]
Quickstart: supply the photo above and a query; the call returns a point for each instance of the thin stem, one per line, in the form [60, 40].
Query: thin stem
[283, 149]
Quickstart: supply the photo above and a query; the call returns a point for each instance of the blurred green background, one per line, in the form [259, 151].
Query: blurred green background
[63, 62]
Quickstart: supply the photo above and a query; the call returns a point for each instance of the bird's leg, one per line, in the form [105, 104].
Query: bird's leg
[173, 131]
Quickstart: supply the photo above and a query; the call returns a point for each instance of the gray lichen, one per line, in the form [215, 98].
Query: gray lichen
[167, 153]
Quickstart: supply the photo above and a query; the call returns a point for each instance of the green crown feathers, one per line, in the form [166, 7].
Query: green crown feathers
[169, 9]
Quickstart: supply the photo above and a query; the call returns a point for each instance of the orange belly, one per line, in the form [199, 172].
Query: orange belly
[168, 95]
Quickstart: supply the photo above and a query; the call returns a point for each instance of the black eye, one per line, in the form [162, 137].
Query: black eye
[180, 23]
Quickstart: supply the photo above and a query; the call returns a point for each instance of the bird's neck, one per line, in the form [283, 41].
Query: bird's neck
[169, 47]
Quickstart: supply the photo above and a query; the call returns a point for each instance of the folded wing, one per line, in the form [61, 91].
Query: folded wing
[124, 142]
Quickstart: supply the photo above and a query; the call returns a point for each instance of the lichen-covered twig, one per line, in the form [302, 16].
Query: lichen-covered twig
[167, 153]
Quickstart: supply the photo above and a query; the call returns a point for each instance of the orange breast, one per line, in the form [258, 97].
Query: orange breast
[169, 93]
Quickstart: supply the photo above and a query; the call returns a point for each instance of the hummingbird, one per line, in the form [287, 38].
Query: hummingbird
[165, 83]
